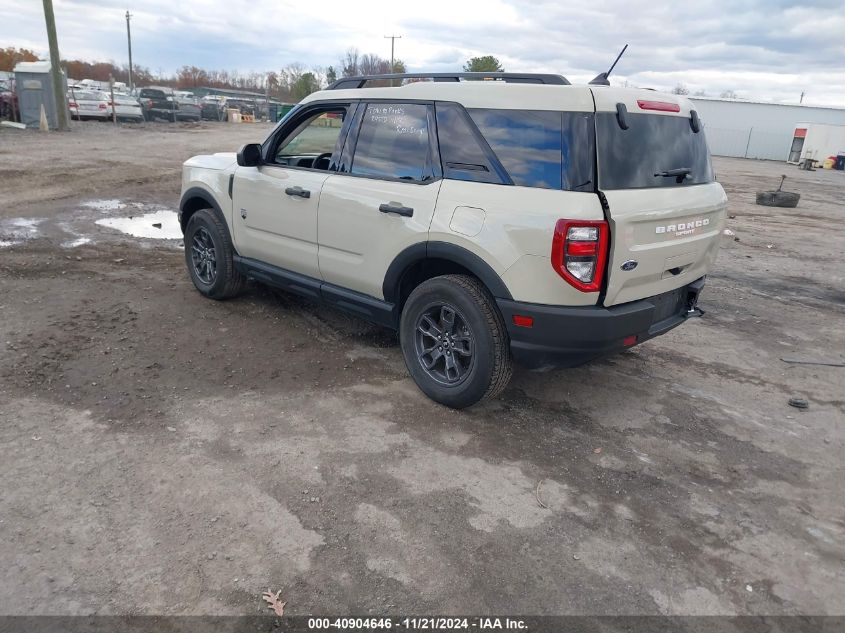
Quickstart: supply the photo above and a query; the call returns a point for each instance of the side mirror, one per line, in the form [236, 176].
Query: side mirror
[250, 155]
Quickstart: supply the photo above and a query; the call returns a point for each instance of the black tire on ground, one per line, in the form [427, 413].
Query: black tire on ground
[226, 281]
[474, 313]
[787, 199]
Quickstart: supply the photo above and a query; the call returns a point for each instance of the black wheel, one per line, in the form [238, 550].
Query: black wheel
[454, 341]
[209, 256]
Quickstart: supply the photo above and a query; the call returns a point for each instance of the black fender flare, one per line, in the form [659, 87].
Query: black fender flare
[205, 195]
[446, 251]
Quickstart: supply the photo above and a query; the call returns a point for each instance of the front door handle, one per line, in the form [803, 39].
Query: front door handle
[298, 191]
[397, 208]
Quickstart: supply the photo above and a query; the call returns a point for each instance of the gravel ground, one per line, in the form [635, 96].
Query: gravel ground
[165, 454]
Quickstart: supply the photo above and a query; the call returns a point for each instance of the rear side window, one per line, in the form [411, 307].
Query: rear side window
[462, 152]
[653, 144]
[393, 142]
[549, 150]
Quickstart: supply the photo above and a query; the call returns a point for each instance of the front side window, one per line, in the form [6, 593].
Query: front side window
[393, 142]
[312, 143]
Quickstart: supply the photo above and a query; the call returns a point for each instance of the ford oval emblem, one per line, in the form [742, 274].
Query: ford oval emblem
[631, 264]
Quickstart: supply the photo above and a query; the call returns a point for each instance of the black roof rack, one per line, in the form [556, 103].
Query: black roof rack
[517, 78]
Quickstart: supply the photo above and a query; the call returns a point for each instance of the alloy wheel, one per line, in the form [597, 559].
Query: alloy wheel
[444, 344]
[203, 256]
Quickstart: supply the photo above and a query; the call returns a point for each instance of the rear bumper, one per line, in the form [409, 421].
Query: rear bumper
[568, 337]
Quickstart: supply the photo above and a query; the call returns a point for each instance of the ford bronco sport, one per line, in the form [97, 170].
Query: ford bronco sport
[516, 219]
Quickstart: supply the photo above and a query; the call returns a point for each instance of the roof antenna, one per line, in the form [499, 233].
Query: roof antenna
[601, 78]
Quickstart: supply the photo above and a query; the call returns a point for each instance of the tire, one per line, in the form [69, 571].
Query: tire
[476, 326]
[785, 199]
[206, 232]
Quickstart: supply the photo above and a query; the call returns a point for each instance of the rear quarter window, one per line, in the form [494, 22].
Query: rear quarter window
[544, 149]
[653, 143]
[462, 149]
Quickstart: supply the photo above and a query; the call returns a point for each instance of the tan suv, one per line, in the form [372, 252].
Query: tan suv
[519, 218]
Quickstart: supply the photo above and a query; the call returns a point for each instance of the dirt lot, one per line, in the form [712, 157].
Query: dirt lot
[167, 454]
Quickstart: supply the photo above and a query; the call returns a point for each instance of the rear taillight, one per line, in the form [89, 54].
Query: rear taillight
[150, 103]
[71, 104]
[102, 106]
[579, 252]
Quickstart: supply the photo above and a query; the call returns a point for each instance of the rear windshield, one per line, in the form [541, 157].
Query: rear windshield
[156, 94]
[653, 144]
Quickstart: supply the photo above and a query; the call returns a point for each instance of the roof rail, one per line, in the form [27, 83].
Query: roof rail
[517, 78]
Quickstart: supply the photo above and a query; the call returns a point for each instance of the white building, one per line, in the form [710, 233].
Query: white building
[756, 129]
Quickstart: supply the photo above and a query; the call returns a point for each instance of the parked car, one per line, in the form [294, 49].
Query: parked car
[88, 104]
[189, 109]
[157, 103]
[517, 220]
[127, 108]
[213, 108]
[244, 106]
[8, 101]
[216, 107]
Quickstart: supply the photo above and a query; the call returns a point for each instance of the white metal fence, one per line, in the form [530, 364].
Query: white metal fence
[748, 143]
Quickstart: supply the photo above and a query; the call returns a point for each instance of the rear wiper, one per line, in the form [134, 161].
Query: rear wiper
[678, 174]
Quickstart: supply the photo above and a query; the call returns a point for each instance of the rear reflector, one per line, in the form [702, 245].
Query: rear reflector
[660, 106]
[579, 252]
[523, 321]
[628, 341]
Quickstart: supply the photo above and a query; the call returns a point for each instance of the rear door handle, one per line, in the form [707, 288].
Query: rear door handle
[298, 191]
[397, 208]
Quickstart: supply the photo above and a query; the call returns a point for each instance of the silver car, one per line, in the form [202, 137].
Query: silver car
[127, 108]
[88, 104]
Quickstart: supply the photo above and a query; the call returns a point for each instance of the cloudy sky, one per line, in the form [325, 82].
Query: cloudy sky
[761, 49]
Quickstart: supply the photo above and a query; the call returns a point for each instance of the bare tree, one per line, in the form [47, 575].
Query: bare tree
[700, 93]
[290, 74]
[350, 63]
[680, 89]
[728, 94]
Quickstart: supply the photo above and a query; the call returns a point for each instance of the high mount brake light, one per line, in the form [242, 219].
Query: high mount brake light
[660, 106]
[579, 253]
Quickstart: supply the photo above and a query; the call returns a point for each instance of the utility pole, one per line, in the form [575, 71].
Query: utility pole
[392, 39]
[129, 42]
[55, 68]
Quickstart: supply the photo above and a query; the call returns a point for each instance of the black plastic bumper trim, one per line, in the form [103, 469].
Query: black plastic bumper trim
[572, 336]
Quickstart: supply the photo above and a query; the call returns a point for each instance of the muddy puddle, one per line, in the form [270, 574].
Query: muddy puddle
[94, 221]
[162, 224]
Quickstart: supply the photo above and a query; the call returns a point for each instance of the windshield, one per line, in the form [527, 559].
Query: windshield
[655, 151]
